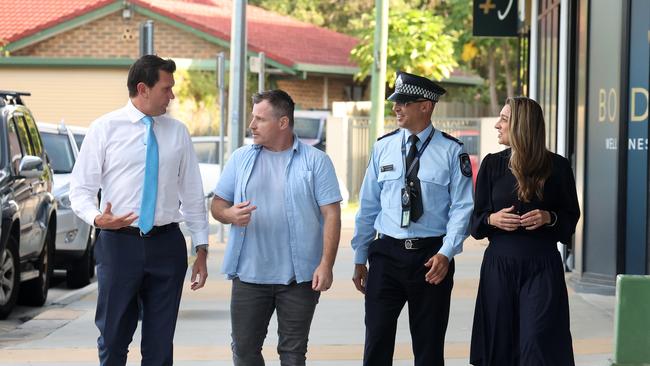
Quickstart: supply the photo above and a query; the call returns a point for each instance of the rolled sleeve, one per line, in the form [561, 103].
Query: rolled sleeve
[326, 183]
[226, 186]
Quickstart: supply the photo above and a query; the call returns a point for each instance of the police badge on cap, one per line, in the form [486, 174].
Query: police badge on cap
[409, 87]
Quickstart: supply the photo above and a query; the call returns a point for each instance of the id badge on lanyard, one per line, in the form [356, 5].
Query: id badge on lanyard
[405, 196]
[406, 207]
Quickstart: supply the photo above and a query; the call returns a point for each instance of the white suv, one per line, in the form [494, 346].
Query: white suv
[74, 237]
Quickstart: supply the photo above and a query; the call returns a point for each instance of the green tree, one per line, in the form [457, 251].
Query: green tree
[340, 16]
[198, 99]
[417, 43]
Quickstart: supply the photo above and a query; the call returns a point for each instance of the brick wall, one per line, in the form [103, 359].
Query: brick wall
[308, 94]
[112, 36]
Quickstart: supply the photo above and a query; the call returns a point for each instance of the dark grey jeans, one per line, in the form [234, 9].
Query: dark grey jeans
[251, 307]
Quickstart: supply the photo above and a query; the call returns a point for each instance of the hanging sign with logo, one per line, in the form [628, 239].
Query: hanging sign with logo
[495, 18]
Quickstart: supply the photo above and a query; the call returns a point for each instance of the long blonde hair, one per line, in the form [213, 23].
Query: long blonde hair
[530, 161]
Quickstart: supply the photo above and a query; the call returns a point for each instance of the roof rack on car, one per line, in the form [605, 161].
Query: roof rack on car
[12, 97]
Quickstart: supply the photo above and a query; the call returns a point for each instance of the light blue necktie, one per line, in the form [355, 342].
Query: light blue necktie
[150, 187]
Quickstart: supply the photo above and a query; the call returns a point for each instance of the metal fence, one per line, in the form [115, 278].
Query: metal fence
[465, 129]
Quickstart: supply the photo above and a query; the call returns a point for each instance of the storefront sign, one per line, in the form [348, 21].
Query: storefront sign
[495, 18]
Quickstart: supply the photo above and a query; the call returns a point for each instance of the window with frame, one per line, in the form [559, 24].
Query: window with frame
[15, 149]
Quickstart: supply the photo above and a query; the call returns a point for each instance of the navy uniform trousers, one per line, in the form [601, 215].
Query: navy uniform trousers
[396, 276]
[131, 267]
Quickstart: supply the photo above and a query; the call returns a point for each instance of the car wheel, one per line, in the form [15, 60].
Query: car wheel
[34, 292]
[9, 278]
[80, 273]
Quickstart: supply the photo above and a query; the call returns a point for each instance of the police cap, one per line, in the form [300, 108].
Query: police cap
[409, 87]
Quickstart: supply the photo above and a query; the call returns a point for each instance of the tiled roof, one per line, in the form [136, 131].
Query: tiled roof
[281, 38]
[22, 18]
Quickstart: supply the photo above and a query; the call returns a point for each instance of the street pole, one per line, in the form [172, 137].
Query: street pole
[237, 85]
[221, 71]
[262, 72]
[378, 76]
[146, 38]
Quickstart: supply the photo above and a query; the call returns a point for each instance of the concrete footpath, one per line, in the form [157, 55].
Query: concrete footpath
[65, 334]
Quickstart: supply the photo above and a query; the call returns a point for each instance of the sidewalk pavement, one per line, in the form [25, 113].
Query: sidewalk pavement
[65, 334]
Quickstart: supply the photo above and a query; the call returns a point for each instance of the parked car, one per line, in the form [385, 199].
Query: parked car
[75, 239]
[79, 133]
[309, 126]
[207, 152]
[28, 208]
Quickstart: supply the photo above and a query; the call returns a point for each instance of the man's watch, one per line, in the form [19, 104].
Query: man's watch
[203, 247]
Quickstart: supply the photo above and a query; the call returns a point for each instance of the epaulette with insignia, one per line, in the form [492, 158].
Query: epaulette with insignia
[388, 134]
[452, 138]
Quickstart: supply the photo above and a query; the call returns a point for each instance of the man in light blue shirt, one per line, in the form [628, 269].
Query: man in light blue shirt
[283, 201]
[417, 195]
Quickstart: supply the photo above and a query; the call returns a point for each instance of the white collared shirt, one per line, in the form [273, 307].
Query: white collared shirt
[112, 158]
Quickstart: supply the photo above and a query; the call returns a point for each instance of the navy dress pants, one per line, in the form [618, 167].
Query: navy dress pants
[131, 267]
[395, 277]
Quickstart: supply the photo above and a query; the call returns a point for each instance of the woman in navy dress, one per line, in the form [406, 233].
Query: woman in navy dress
[525, 203]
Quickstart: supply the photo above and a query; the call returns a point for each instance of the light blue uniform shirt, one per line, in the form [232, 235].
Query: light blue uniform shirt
[446, 194]
[310, 183]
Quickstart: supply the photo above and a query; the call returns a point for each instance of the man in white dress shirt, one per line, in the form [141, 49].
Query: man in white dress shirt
[144, 163]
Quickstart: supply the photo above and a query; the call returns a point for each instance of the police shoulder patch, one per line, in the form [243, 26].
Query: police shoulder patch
[465, 165]
[389, 134]
[452, 138]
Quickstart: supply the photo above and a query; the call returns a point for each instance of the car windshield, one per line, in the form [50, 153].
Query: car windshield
[59, 150]
[78, 139]
[306, 128]
[207, 151]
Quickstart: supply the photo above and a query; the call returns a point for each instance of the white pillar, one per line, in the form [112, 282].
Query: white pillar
[534, 43]
[562, 93]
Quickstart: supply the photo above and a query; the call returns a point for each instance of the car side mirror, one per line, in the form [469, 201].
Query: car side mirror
[31, 166]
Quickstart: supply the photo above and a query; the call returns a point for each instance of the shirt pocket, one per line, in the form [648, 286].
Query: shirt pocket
[302, 186]
[391, 183]
[434, 184]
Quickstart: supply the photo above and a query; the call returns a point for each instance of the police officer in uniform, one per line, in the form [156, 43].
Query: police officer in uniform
[415, 206]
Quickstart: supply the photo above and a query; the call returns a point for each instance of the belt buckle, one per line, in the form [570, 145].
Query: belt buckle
[408, 244]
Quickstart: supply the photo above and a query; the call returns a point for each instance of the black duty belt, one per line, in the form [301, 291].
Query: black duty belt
[131, 230]
[415, 243]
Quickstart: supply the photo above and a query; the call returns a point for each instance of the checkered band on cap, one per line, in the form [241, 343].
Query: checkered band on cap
[414, 90]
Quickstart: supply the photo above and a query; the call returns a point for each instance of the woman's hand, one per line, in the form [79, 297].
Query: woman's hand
[535, 219]
[505, 220]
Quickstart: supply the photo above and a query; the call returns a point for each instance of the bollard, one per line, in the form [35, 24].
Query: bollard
[632, 321]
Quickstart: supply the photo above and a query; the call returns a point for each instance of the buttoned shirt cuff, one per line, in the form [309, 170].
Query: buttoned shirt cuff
[361, 255]
[89, 216]
[447, 250]
[199, 239]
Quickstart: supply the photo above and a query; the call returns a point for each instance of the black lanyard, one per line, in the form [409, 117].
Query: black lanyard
[417, 155]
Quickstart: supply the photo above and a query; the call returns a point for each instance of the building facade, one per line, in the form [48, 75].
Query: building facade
[589, 69]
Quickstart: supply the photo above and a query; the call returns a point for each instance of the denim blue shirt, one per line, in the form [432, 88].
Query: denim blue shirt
[446, 194]
[310, 183]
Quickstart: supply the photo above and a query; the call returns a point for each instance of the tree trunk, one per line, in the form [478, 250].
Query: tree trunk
[492, 78]
[506, 64]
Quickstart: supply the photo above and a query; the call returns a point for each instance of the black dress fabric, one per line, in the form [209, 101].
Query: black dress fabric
[522, 311]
